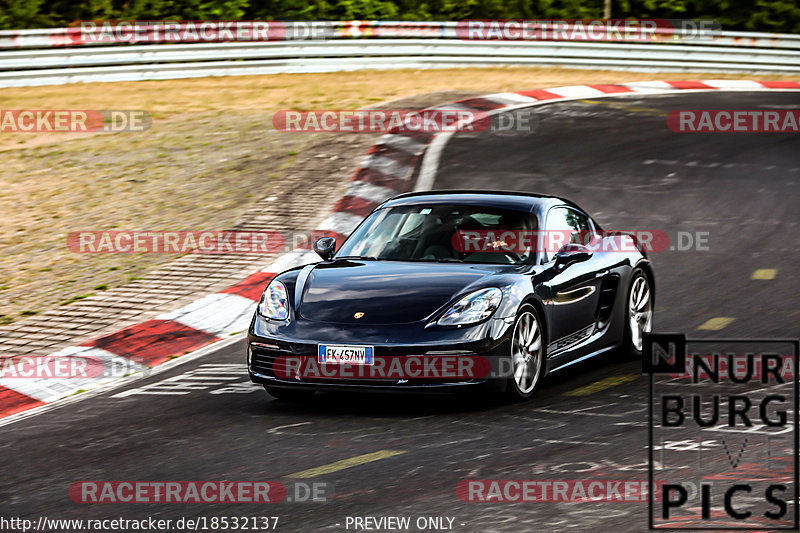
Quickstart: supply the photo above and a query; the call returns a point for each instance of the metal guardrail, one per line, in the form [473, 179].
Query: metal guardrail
[72, 36]
[51, 57]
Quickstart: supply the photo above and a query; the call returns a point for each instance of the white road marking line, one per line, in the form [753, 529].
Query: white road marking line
[199, 379]
[509, 98]
[277, 429]
[340, 222]
[387, 165]
[219, 314]
[402, 143]
[576, 91]
[47, 389]
[121, 382]
[456, 106]
[733, 84]
[579, 412]
[243, 387]
[650, 86]
[430, 162]
[368, 191]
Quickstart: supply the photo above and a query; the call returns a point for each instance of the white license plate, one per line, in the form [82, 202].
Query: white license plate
[342, 354]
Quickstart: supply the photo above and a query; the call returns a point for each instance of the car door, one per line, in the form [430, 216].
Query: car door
[573, 288]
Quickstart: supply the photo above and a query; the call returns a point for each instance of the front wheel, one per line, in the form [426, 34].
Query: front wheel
[639, 313]
[527, 355]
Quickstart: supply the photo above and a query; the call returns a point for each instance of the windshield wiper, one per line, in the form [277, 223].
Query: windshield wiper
[359, 257]
[448, 260]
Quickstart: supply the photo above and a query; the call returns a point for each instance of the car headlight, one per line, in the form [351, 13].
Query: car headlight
[274, 303]
[472, 308]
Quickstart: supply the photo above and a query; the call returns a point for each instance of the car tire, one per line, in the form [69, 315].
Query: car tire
[528, 352]
[638, 313]
[289, 395]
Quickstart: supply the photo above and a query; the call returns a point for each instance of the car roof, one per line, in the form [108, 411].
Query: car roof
[518, 201]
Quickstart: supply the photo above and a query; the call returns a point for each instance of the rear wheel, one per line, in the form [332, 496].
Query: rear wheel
[527, 355]
[639, 313]
[289, 395]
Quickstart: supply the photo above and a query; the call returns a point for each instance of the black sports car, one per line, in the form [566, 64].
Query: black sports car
[450, 290]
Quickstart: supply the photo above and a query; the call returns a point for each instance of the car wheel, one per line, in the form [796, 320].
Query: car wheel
[638, 313]
[527, 355]
[289, 395]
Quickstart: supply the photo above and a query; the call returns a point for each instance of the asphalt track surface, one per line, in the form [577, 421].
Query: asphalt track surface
[616, 158]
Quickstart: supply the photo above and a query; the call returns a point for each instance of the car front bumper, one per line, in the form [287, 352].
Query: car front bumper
[276, 350]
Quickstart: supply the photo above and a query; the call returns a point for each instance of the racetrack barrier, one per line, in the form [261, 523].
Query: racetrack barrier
[65, 55]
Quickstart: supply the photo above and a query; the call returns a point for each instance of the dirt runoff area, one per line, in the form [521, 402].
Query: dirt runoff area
[208, 156]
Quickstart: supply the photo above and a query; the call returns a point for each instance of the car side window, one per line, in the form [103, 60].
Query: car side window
[565, 225]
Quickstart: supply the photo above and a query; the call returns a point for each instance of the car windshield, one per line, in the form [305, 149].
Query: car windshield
[444, 233]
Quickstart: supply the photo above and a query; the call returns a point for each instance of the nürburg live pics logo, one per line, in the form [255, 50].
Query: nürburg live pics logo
[723, 433]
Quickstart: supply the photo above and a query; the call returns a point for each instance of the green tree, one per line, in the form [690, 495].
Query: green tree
[183, 9]
[19, 14]
[751, 15]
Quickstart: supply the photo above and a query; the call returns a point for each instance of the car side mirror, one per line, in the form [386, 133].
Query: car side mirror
[572, 253]
[325, 247]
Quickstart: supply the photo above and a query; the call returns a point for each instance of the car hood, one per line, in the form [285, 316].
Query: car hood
[386, 292]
